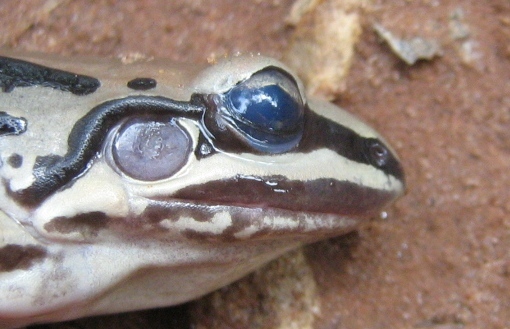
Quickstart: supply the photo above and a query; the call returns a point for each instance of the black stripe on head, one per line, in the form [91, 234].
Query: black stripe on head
[320, 132]
[17, 73]
[52, 172]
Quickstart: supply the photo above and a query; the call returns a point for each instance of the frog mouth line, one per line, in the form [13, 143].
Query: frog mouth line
[240, 222]
[201, 221]
[229, 210]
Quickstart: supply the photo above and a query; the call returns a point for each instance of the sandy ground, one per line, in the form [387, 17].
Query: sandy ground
[441, 257]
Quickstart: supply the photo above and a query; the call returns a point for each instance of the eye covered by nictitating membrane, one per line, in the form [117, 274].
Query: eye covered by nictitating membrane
[265, 111]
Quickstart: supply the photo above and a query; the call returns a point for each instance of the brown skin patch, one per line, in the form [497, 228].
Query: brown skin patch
[18, 257]
[88, 224]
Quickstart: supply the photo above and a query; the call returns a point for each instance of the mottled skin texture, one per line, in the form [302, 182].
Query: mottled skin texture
[105, 237]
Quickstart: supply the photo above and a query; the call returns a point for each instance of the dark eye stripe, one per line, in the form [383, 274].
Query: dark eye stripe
[346, 143]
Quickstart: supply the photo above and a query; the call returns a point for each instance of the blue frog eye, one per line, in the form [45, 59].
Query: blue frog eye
[266, 110]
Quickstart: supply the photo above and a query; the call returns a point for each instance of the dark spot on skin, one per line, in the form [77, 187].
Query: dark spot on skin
[17, 257]
[88, 224]
[18, 73]
[142, 84]
[10, 125]
[15, 160]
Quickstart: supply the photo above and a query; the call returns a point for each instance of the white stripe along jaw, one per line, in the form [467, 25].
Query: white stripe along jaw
[131, 186]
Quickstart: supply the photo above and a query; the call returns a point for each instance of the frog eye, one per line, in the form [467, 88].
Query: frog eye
[150, 149]
[266, 111]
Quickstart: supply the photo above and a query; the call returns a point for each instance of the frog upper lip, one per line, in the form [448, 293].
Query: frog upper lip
[323, 195]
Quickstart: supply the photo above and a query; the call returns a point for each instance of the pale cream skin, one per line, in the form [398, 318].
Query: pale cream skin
[88, 271]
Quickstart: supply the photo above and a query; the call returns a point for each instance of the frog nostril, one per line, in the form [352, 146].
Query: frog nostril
[378, 153]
